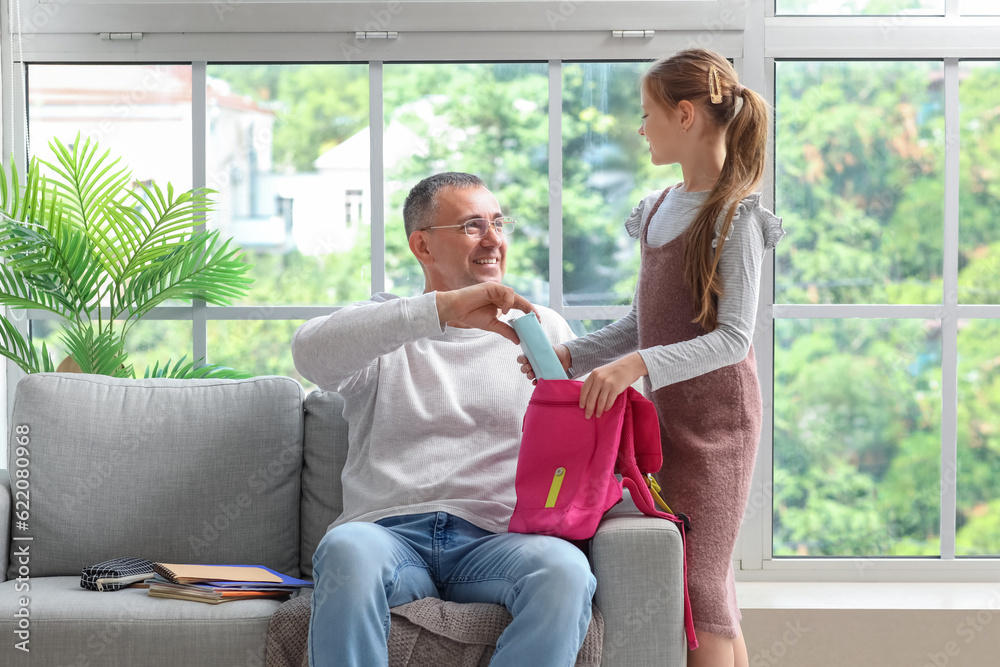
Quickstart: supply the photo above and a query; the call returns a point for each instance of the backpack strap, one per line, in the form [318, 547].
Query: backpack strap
[641, 486]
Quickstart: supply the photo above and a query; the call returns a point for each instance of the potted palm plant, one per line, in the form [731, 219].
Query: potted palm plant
[85, 242]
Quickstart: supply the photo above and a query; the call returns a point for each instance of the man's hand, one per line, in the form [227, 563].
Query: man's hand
[603, 385]
[477, 307]
[562, 352]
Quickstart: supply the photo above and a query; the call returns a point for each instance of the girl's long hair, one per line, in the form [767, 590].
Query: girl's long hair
[689, 75]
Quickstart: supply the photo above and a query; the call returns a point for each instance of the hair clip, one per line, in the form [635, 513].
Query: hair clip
[714, 86]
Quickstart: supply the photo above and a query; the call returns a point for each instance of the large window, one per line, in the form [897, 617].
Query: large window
[862, 413]
[878, 315]
[859, 176]
[605, 172]
[490, 119]
[859, 183]
[978, 464]
[288, 156]
[979, 239]
[142, 115]
[857, 437]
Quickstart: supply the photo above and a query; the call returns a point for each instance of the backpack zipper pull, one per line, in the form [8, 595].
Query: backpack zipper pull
[557, 480]
[654, 489]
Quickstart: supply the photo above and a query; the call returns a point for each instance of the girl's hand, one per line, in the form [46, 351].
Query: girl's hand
[605, 383]
[564, 358]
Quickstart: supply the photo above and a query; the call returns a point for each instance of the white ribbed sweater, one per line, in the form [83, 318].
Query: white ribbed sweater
[434, 415]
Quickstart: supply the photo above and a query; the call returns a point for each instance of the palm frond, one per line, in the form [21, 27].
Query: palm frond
[17, 292]
[61, 263]
[202, 269]
[88, 182]
[47, 365]
[51, 254]
[78, 263]
[96, 352]
[90, 186]
[3, 183]
[36, 190]
[21, 351]
[114, 235]
[18, 202]
[135, 231]
[168, 222]
[189, 370]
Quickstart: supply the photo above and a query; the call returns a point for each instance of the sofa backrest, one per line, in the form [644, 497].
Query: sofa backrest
[176, 471]
[324, 455]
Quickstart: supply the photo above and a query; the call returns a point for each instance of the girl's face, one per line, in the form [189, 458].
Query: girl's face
[662, 130]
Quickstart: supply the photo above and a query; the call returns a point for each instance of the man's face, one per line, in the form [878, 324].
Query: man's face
[452, 259]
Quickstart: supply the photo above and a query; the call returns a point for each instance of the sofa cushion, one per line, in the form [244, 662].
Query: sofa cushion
[180, 471]
[323, 457]
[70, 625]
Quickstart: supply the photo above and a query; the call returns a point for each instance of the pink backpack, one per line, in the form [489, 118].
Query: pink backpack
[566, 467]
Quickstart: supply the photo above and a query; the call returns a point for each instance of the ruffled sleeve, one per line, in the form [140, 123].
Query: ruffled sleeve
[770, 224]
[633, 223]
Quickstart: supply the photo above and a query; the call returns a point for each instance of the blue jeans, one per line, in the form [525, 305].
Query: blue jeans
[362, 569]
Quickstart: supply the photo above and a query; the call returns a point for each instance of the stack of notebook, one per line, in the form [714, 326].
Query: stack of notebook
[220, 583]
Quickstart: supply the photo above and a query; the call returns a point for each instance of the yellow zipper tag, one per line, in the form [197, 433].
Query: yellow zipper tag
[557, 480]
[654, 488]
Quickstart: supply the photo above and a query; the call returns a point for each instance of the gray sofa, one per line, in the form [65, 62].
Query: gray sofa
[240, 471]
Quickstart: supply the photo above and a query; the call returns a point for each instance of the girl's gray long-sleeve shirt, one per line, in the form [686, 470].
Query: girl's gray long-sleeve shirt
[754, 230]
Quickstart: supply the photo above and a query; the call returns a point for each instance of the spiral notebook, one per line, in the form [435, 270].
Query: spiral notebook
[225, 575]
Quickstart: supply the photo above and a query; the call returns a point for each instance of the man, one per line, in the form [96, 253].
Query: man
[434, 400]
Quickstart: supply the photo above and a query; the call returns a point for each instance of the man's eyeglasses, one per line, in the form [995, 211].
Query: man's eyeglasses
[477, 227]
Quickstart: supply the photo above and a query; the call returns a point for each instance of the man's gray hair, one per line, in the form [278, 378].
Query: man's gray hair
[421, 204]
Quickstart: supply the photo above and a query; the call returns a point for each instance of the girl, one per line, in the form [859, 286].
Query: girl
[690, 329]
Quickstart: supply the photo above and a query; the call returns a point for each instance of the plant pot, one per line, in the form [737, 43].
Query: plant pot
[68, 365]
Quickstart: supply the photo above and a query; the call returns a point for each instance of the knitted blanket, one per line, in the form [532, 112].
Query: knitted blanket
[424, 633]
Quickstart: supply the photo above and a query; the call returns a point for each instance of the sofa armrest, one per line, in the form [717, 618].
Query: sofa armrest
[5, 505]
[639, 565]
